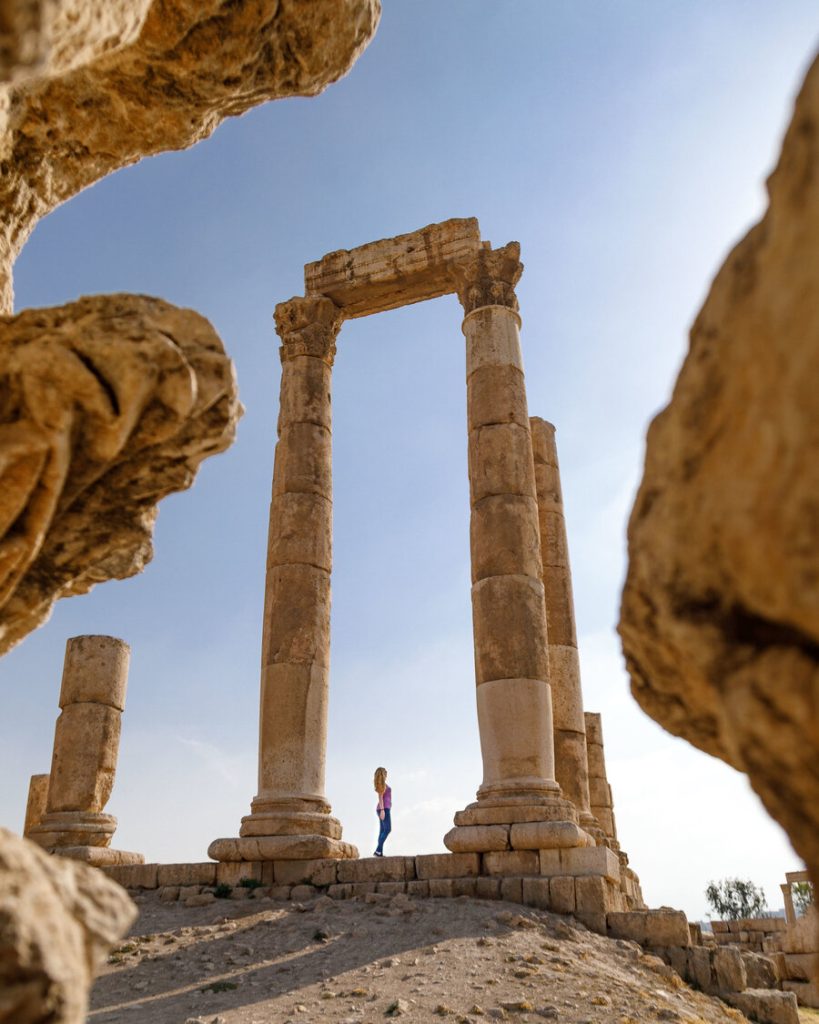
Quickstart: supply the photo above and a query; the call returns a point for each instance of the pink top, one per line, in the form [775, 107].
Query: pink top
[385, 800]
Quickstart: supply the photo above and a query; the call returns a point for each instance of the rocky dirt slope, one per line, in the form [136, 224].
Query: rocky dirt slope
[373, 958]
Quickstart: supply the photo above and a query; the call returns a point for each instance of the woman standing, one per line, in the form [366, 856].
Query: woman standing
[383, 808]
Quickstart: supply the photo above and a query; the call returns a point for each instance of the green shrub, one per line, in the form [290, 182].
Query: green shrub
[802, 897]
[734, 899]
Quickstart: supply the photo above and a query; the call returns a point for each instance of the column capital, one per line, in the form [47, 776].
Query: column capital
[308, 327]
[488, 278]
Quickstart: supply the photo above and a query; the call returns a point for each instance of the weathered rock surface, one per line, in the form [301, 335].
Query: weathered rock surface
[464, 960]
[58, 920]
[720, 614]
[106, 405]
[95, 86]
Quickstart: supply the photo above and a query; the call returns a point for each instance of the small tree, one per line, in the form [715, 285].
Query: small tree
[735, 898]
[802, 897]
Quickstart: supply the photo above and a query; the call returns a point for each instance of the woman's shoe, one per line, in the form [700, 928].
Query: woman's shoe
[377, 854]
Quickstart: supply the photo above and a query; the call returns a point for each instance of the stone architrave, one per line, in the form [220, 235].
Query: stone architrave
[290, 816]
[571, 757]
[36, 803]
[86, 746]
[602, 804]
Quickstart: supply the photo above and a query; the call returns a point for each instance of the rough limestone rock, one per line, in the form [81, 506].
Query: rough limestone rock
[94, 85]
[58, 920]
[106, 405]
[720, 613]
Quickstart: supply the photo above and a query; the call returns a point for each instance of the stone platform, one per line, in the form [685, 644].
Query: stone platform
[588, 882]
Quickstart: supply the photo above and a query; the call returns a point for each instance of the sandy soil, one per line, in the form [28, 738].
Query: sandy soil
[366, 960]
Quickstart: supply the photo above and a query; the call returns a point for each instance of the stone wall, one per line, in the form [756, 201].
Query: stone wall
[796, 954]
[748, 933]
[584, 882]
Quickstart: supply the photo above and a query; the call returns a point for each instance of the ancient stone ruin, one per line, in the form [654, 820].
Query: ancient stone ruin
[111, 403]
[73, 822]
[533, 810]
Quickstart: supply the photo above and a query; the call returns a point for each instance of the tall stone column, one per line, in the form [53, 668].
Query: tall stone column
[508, 609]
[86, 746]
[290, 816]
[571, 758]
[602, 804]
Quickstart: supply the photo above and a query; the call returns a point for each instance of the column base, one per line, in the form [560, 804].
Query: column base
[292, 826]
[281, 847]
[98, 856]
[498, 809]
[74, 829]
[297, 823]
[522, 822]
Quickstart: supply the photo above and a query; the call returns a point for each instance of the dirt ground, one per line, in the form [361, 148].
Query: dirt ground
[372, 958]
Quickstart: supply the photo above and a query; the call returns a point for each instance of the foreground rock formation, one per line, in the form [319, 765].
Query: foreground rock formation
[94, 87]
[58, 920]
[720, 614]
[108, 404]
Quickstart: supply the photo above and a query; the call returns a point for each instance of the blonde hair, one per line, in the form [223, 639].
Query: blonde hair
[380, 780]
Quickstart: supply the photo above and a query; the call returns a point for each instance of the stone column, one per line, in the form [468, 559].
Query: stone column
[508, 610]
[36, 803]
[571, 759]
[602, 805]
[787, 897]
[290, 816]
[86, 746]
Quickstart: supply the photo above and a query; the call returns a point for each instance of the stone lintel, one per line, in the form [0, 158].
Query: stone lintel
[394, 271]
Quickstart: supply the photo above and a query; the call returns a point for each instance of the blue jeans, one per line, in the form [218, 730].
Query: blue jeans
[384, 831]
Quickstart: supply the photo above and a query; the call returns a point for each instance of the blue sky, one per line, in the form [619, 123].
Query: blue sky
[625, 147]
